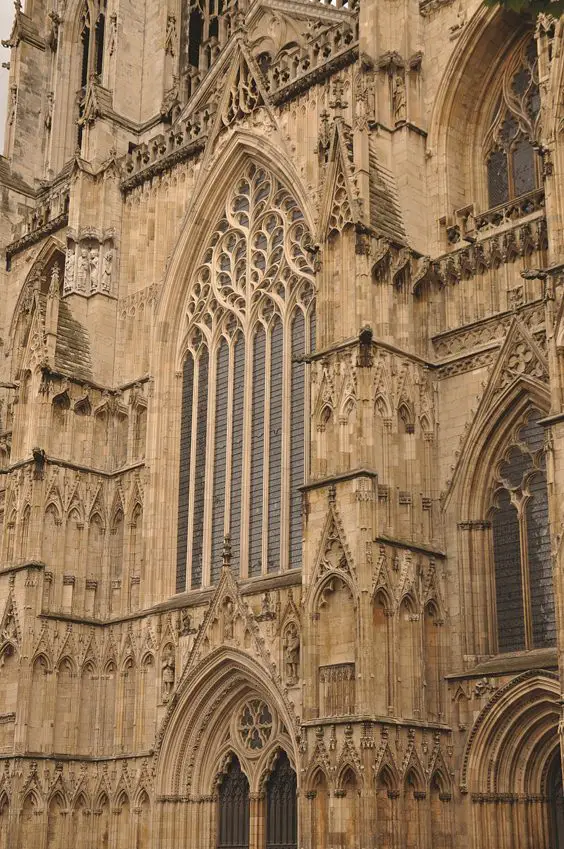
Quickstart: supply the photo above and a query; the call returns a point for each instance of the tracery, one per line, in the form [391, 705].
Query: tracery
[250, 318]
[512, 165]
[521, 544]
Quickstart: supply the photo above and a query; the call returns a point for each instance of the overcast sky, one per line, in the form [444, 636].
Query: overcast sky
[6, 15]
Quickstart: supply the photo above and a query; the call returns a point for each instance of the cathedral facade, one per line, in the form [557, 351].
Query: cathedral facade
[282, 426]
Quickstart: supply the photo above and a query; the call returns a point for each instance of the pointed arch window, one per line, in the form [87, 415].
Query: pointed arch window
[513, 167]
[244, 427]
[521, 544]
[92, 37]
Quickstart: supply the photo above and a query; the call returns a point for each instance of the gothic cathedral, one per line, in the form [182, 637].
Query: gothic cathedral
[282, 426]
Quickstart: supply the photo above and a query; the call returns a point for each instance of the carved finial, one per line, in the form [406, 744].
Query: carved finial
[227, 551]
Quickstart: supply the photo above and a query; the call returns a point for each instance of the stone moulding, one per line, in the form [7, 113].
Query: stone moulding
[36, 236]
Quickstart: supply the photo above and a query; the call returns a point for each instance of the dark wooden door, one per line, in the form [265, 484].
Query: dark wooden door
[282, 807]
[234, 809]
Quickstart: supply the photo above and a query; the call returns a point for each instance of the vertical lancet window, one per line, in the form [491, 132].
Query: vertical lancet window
[521, 545]
[513, 168]
[92, 35]
[244, 428]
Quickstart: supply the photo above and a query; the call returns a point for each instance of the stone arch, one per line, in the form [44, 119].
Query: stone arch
[335, 637]
[4, 820]
[169, 335]
[52, 249]
[89, 681]
[464, 98]
[57, 808]
[470, 501]
[37, 721]
[30, 825]
[387, 794]
[80, 815]
[203, 704]
[509, 752]
[64, 702]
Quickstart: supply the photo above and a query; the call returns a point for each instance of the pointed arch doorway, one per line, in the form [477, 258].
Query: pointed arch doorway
[279, 809]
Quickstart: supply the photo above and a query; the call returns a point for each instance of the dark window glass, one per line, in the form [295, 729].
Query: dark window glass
[185, 454]
[257, 455]
[218, 510]
[85, 53]
[200, 469]
[237, 448]
[297, 434]
[524, 167]
[194, 38]
[540, 567]
[275, 446]
[509, 595]
[498, 178]
[100, 32]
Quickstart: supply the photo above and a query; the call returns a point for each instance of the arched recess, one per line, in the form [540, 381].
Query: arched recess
[383, 655]
[4, 821]
[36, 285]
[470, 499]
[64, 707]
[37, 718]
[56, 820]
[464, 99]
[227, 706]
[508, 765]
[31, 829]
[387, 796]
[169, 340]
[335, 638]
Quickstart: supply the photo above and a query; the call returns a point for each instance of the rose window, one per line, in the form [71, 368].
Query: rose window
[255, 725]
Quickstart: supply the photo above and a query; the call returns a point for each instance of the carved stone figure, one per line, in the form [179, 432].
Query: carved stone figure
[185, 622]
[83, 277]
[399, 99]
[93, 259]
[168, 674]
[107, 270]
[292, 653]
[69, 268]
[228, 619]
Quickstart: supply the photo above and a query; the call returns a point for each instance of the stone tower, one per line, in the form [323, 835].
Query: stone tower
[281, 426]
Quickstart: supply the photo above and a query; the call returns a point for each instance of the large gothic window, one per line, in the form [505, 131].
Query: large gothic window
[233, 830]
[512, 164]
[244, 426]
[521, 544]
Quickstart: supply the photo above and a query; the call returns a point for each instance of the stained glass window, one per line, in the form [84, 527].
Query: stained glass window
[521, 545]
[244, 434]
[512, 164]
